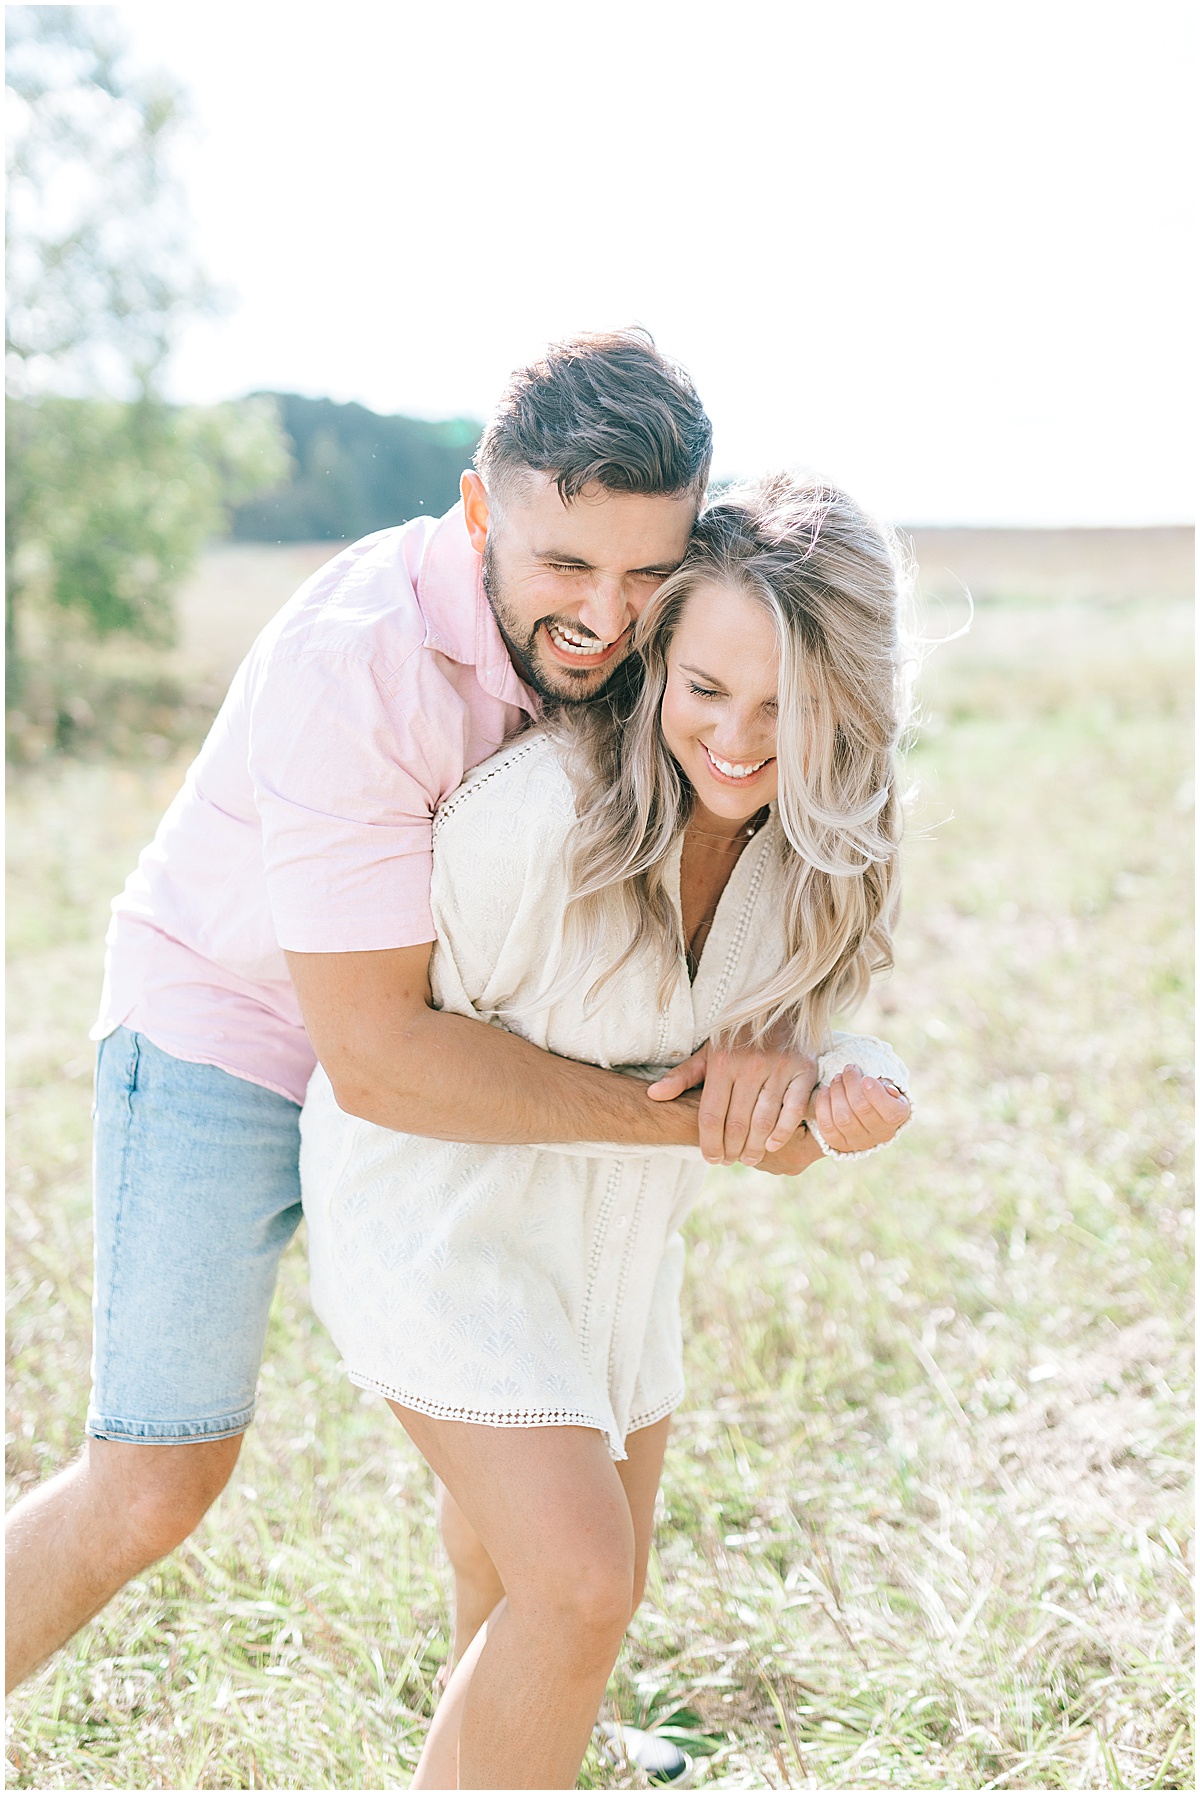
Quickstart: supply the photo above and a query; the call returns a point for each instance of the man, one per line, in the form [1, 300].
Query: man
[284, 907]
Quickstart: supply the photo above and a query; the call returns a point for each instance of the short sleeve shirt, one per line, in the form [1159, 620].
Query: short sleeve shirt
[305, 822]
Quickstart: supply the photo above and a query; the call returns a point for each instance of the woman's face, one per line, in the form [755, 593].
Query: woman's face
[720, 706]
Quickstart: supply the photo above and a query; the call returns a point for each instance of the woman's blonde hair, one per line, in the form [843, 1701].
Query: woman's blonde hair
[834, 583]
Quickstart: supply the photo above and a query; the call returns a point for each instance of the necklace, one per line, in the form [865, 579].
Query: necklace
[727, 841]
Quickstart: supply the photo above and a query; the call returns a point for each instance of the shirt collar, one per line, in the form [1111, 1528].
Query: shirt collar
[458, 618]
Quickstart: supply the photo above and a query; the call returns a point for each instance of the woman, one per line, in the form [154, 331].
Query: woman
[712, 851]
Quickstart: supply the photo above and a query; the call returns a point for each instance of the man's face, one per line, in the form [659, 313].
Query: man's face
[567, 582]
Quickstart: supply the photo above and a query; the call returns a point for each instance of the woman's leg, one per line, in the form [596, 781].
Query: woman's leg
[477, 1585]
[553, 1515]
[640, 1476]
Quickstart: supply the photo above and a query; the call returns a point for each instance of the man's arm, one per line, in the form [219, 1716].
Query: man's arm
[394, 1060]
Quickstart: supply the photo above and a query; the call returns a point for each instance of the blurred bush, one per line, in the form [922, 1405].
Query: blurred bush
[111, 492]
[107, 505]
[107, 501]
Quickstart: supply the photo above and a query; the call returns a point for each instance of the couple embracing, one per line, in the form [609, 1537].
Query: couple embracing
[533, 851]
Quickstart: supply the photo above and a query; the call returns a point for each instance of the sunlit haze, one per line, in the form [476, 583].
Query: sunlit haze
[937, 252]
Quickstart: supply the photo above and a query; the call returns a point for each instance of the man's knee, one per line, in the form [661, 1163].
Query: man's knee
[153, 1497]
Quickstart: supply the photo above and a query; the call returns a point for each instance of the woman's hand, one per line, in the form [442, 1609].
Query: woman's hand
[753, 1102]
[855, 1113]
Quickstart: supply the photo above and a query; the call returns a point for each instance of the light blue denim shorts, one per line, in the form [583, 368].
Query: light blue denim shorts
[197, 1193]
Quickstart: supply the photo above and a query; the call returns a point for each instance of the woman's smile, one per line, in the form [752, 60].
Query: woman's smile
[735, 772]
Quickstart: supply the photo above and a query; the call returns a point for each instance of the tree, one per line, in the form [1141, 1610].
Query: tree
[99, 277]
[109, 503]
[111, 491]
[356, 472]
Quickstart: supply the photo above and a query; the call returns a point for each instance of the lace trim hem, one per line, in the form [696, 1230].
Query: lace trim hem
[448, 1411]
[453, 1411]
[659, 1412]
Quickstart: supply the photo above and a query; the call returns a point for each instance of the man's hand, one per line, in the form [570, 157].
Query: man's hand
[801, 1152]
[754, 1099]
[855, 1113]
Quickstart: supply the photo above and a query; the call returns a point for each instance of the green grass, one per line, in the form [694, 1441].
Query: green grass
[925, 1512]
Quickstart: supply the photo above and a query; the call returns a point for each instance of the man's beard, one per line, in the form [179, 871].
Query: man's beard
[522, 650]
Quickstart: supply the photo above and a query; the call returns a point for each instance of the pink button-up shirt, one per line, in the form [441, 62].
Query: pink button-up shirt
[305, 822]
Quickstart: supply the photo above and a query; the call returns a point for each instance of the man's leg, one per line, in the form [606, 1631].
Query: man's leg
[197, 1192]
[71, 1544]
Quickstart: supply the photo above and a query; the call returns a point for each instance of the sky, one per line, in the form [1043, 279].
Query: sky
[937, 252]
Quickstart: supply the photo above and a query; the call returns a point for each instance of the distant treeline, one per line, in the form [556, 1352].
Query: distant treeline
[356, 472]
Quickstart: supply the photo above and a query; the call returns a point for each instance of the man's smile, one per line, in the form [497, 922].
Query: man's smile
[573, 648]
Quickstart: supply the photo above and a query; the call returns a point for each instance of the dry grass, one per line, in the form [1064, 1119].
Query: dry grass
[925, 1513]
[1058, 564]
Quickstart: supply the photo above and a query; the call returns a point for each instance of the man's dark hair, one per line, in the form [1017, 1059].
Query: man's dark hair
[604, 407]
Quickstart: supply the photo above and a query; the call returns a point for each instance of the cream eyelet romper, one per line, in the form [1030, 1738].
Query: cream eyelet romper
[530, 1286]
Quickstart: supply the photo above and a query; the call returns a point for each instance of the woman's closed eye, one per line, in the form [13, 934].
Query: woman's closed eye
[702, 691]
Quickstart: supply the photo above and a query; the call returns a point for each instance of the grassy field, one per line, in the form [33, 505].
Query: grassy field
[926, 1512]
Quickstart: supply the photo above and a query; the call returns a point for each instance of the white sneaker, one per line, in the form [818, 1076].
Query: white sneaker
[660, 1760]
